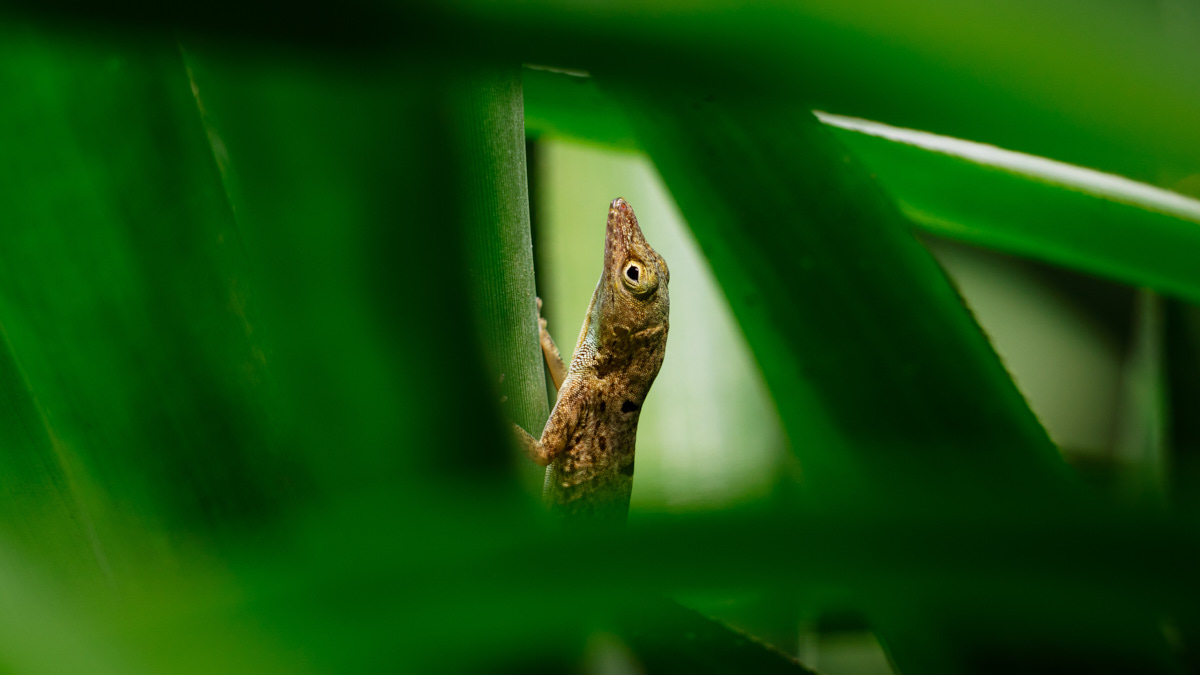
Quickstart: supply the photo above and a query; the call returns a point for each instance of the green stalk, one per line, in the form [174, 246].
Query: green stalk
[490, 142]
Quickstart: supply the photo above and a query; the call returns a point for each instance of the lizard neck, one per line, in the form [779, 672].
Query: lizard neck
[588, 344]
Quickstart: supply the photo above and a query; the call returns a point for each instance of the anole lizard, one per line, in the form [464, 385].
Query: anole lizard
[589, 439]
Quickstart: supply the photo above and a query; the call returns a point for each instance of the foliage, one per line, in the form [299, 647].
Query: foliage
[258, 281]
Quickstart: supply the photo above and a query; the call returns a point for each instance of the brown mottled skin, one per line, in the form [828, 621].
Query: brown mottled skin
[589, 439]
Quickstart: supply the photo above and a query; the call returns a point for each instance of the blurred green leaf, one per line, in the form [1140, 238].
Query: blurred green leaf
[1030, 206]
[351, 198]
[570, 105]
[874, 363]
[44, 629]
[127, 303]
[1182, 346]
[1080, 219]
[249, 424]
[1106, 85]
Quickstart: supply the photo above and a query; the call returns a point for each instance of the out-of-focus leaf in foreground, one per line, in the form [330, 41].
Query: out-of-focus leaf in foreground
[875, 365]
[863, 334]
[1077, 218]
[237, 329]
[1108, 86]
[1073, 217]
[128, 307]
[249, 426]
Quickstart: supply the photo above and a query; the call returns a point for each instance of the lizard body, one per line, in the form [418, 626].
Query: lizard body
[589, 440]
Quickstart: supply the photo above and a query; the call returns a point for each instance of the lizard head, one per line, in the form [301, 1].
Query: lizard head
[635, 275]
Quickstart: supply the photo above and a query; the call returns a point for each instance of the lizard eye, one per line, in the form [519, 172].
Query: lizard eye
[639, 279]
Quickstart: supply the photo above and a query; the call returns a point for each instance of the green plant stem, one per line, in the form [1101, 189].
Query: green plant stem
[490, 141]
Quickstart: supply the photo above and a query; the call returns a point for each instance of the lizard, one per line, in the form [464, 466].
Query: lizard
[588, 442]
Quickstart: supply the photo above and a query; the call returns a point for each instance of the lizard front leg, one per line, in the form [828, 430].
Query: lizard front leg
[560, 426]
[554, 437]
[554, 360]
[533, 447]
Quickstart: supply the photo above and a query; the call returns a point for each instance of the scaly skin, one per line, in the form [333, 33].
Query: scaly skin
[589, 439]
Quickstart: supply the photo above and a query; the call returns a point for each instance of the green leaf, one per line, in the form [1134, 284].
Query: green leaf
[1107, 86]
[354, 201]
[888, 390]
[570, 105]
[1073, 217]
[1030, 206]
[127, 305]
[875, 365]
[249, 423]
